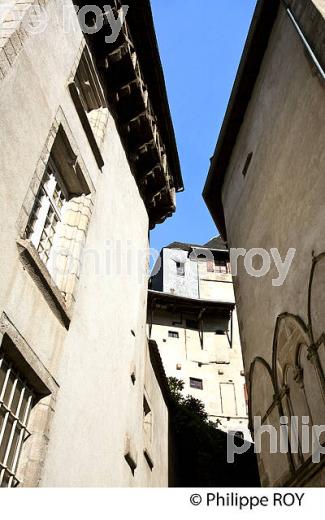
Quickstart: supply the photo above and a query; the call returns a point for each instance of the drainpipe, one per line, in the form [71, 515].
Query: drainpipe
[304, 41]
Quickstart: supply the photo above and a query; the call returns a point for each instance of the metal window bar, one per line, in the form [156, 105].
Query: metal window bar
[15, 406]
[47, 212]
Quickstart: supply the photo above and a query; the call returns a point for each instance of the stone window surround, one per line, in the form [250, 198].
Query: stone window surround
[46, 387]
[28, 254]
[85, 55]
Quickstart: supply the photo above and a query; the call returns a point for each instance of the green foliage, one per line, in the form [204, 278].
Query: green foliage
[176, 386]
[189, 406]
[200, 448]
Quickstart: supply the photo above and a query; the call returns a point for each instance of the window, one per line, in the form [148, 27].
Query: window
[228, 399]
[47, 213]
[196, 383]
[59, 215]
[16, 401]
[210, 266]
[219, 266]
[173, 334]
[180, 268]
[247, 164]
[87, 94]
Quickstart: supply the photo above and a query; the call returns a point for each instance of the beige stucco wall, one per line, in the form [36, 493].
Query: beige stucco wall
[97, 405]
[280, 202]
[220, 363]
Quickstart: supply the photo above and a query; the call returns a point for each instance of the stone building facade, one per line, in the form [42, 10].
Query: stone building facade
[88, 166]
[265, 190]
[192, 317]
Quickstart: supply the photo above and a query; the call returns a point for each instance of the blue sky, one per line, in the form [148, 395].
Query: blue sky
[200, 47]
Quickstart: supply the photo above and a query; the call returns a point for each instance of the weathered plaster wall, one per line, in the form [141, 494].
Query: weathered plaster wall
[279, 204]
[186, 285]
[220, 363]
[97, 406]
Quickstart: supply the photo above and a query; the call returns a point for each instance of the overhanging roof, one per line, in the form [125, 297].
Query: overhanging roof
[193, 306]
[132, 77]
[142, 27]
[215, 244]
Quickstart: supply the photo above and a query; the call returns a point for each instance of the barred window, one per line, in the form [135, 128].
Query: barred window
[16, 400]
[47, 212]
[59, 214]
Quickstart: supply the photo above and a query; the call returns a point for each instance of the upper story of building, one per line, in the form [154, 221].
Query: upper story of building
[277, 97]
[90, 81]
[195, 271]
[117, 68]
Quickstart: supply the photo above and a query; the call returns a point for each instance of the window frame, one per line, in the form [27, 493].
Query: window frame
[47, 191]
[196, 383]
[85, 72]
[10, 461]
[62, 148]
[17, 352]
[180, 268]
